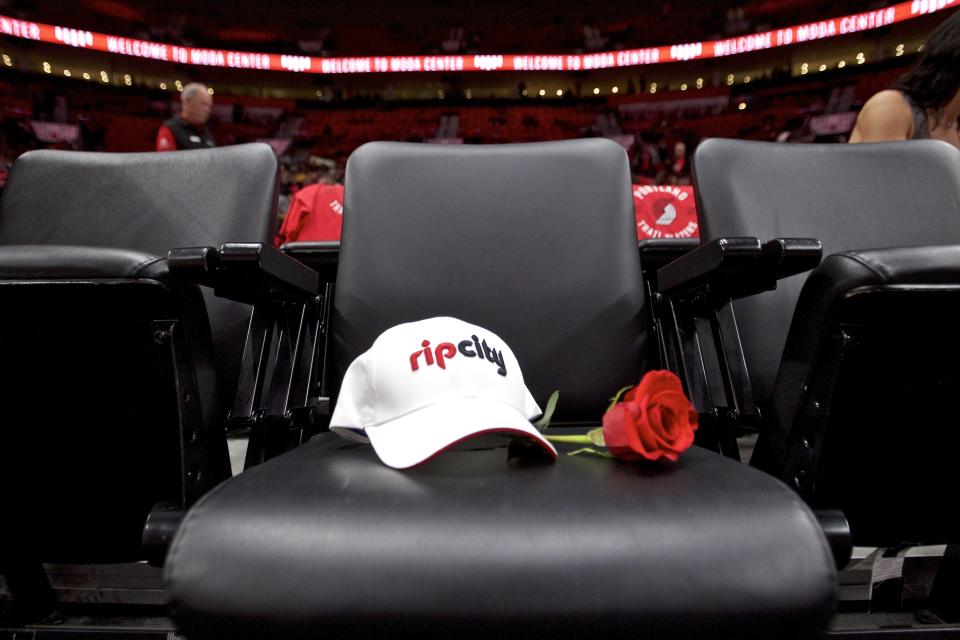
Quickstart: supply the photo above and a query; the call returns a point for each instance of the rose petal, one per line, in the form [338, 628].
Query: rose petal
[685, 438]
[615, 427]
[643, 438]
[660, 425]
[677, 406]
[656, 381]
[642, 444]
[671, 426]
[657, 422]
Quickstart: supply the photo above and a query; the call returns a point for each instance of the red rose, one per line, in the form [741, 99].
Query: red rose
[654, 420]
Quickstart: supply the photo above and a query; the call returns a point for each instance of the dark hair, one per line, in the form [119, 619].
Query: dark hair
[935, 79]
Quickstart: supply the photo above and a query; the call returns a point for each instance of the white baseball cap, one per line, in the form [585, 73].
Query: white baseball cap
[425, 386]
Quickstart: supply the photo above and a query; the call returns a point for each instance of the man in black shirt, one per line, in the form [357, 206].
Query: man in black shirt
[189, 129]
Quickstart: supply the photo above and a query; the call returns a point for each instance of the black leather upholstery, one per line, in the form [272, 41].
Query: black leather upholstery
[548, 263]
[58, 261]
[848, 196]
[152, 203]
[826, 287]
[536, 242]
[141, 201]
[325, 539]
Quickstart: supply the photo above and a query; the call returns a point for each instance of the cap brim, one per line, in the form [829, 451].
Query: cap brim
[419, 435]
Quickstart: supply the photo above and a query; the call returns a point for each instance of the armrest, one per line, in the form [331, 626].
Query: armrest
[729, 268]
[317, 249]
[901, 265]
[658, 252]
[845, 277]
[713, 263]
[319, 256]
[666, 247]
[195, 264]
[793, 255]
[246, 272]
[836, 529]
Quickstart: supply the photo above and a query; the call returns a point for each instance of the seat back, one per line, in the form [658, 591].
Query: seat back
[534, 241]
[109, 377]
[141, 201]
[149, 202]
[865, 196]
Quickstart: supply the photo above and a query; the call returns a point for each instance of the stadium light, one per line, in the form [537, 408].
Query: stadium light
[742, 106]
[210, 90]
[559, 92]
[163, 86]
[178, 85]
[615, 89]
[86, 76]
[823, 67]
[841, 64]
[683, 86]
[543, 92]
[746, 79]
[730, 79]
[699, 83]
[804, 68]
[47, 68]
[524, 93]
[596, 91]
[104, 77]
[653, 87]
[67, 73]
[127, 80]
[7, 61]
[899, 51]
[861, 58]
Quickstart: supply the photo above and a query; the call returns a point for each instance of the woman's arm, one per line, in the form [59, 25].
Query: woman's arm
[886, 116]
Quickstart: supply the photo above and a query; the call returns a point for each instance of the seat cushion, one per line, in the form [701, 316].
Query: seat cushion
[326, 540]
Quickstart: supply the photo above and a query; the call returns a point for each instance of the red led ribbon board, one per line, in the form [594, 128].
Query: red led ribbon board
[826, 28]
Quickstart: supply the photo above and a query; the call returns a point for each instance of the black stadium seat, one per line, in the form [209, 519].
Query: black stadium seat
[848, 372]
[109, 363]
[852, 365]
[537, 243]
